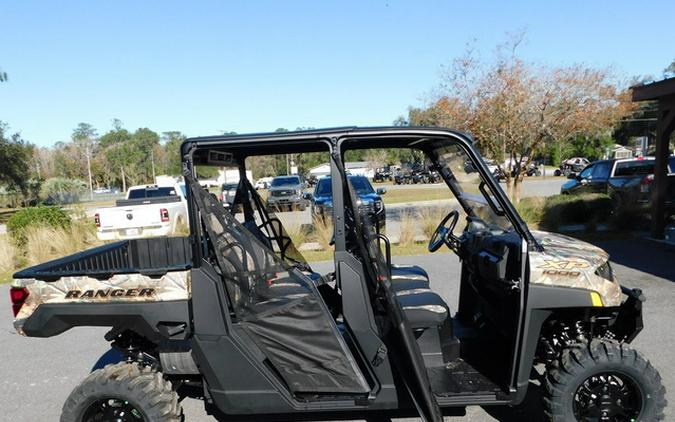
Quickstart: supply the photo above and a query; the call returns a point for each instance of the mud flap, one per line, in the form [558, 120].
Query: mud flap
[628, 323]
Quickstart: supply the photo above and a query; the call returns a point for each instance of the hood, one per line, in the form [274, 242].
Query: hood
[285, 187]
[565, 247]
[569, 262]
[369, 197]
[326, 201]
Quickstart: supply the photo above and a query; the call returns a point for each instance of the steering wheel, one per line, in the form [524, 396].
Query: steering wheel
[444, 235]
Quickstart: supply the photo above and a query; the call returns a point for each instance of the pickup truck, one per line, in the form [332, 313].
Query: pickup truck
[626, 181]
[147, 211]
[286, 192]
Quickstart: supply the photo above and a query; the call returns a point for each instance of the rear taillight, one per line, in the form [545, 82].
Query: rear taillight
[164, 214]
[18, 296]
[645, 183]
[97, 220]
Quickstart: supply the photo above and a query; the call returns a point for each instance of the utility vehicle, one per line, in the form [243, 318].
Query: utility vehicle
[233, 315]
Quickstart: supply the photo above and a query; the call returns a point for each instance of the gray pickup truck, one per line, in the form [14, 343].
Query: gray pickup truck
[627, 181]
[286, 192]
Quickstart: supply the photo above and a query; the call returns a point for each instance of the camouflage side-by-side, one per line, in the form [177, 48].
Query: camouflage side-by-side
[173, 285]
[568, 262]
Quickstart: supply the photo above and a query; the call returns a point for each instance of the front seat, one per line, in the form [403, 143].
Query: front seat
[411, 272]
[408, 277]
[423, 309]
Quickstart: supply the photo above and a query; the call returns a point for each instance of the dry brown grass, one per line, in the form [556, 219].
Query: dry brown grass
[47, 243]
[182, 229]
[323, 234]
[7, 254]
[429, 218]
[407, 229]
[297, 233]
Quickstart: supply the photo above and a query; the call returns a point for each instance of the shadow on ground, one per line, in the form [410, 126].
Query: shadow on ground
[643, 255]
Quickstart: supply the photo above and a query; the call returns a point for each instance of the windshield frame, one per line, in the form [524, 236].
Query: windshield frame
[426, 140]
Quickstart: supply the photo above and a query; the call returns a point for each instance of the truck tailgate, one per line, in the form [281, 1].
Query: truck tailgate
[130, 217]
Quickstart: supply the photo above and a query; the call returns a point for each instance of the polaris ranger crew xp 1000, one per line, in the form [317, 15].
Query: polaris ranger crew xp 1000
[233, 315]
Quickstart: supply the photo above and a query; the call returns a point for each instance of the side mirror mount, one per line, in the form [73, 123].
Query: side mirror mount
[307, 196]
[381, 191]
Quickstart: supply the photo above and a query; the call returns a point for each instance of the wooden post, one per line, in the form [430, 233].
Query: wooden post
[665, 128]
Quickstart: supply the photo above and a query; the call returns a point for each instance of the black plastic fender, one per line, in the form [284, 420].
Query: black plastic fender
[152, 320]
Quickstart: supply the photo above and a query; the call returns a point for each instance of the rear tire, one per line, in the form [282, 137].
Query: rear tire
[604, 377]
[138, 392]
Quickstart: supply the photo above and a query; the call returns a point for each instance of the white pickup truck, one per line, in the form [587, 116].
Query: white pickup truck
[147, 211]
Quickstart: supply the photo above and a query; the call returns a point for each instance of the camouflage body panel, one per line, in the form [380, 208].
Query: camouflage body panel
[119, 288]
[568, 262]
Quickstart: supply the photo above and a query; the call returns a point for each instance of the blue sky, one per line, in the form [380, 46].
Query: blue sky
[205, 67]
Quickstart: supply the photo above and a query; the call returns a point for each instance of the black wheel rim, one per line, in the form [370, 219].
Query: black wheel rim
[112, 410]
[608, 397]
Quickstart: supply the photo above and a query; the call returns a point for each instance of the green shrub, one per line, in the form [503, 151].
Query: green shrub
[26, 218]
[558, 210]
[531, 210]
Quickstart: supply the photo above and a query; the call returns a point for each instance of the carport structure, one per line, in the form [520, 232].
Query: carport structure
[663, 92]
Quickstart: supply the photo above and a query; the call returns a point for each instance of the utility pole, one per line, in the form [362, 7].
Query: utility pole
[152, 159]
[91, 187]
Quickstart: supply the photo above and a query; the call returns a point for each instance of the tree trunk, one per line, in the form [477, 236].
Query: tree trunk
[516, 191]
[509, 186]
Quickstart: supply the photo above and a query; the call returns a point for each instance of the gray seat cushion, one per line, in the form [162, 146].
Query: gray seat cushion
[424, 309]
[410, 272]
[403, 286]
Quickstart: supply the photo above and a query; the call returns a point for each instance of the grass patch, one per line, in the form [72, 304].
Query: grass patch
[45, 243]
[407, 229]
[323, 234]
[396, 250]
[429, 219]
[398, 196]
[316, 256]
[297, 233]
[7, 256]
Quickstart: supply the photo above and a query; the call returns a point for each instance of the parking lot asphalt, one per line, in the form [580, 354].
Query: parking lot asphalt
[38, 374]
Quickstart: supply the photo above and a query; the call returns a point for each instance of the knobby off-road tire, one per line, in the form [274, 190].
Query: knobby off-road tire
[583, 369]
[134, 386]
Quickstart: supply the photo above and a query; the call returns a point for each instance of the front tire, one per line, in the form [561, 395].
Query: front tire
[124, 392]
[603, 381]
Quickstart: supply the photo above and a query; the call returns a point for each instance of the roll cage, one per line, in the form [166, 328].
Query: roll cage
[372, 315]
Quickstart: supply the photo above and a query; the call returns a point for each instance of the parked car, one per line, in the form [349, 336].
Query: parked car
[263, 183]
[626, 181]
[572, 165]
[208, 183]
[228, 193]
[370, 200]
[286, 192]
[233, 317]
[147, 210]
[100, 191]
